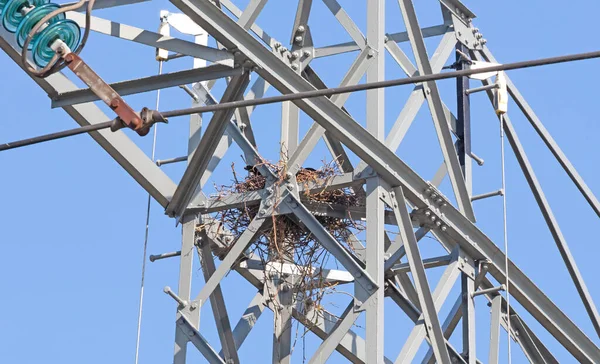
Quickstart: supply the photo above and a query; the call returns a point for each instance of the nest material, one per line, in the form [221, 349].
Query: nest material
[284, 239]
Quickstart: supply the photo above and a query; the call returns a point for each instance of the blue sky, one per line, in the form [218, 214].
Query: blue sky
[72, 221]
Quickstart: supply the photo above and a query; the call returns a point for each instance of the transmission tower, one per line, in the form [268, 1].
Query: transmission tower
[388, 207]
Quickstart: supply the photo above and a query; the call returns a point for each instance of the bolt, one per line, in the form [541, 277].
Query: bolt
[263, 211]
[433, 195]
[369, 287]
[290, 186]
[307, 53]
[432, 217]
[268, 203]
[276, 45]
[427, 213]
[289, 175]
[299, 39]
[283, 49]
[371, 53]
[483, 41]
[444, 228]
[295, 66]
[475, 30]
[479, 36]
[439, 200]
[438, 223]
[114, 103]
[301, 29]
[294, 55]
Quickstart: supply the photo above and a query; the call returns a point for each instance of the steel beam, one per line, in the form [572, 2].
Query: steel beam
[234, 253]
[399, 37]
[551, 221]
[217, 303]
[429, 311]
[414, 314]
[335, 336]
[437, 110]
[248, 320]
[548, 140]
[117, 144]
[495, 330]
[151, 83]
[192, 334]
[468, 318]
[310, 140]
[184, 289]
[208, 144]
[154, 40]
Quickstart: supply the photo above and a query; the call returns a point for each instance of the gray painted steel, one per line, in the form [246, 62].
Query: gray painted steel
[372, 271]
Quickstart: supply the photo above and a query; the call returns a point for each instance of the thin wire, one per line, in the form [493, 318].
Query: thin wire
[505, 233]
[139, 324]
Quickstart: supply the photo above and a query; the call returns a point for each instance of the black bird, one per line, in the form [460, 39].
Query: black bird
[252, 169]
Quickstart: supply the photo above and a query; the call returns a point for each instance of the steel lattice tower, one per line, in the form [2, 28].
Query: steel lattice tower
[246, 63]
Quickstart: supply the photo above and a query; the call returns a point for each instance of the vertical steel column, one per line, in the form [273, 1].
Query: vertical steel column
[185, 283]
[468, 318]
[495, 329]
[463, 121]
[375, 206]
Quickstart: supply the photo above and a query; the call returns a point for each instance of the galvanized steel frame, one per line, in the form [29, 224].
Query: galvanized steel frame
[381, 177]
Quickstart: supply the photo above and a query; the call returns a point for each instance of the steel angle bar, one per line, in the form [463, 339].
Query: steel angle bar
[217, 303]
[199, 341]
[332, 245]
[344, 19]
[551, 221]
[208, 144]
[552, 225]
[301, 19]
[125, 152]
[468, 318]
[375, 228]
[252, 11]
[495, 330]
[335, 147]
[337, 333]
[399, 37]
[417, 97]
[248, 320]
[427, 263]
[230, 6]
[236, 250]
[316, 131]
[448, 327]
[548, 140]
[437, 110]
[427, 304]
[149, 84]
[414, 314]
[185, 286]
[155, 40]
[320, 322]
[533, 348]
[394, 171]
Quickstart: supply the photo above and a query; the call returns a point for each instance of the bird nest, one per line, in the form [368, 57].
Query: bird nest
[283, 240]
